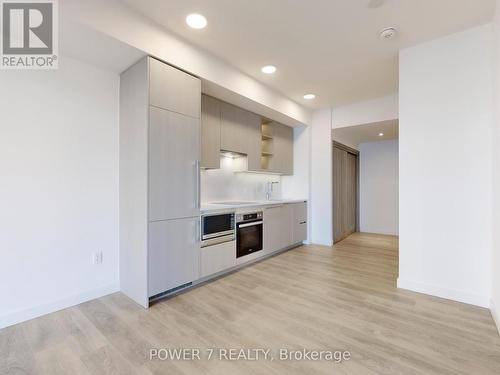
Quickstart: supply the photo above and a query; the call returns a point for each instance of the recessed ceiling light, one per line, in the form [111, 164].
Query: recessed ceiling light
[196, 21]
[388, 33]
[268, 69]
[309, 96]
[380, 134]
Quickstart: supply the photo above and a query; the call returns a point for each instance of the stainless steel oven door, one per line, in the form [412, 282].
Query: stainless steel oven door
[249, 237]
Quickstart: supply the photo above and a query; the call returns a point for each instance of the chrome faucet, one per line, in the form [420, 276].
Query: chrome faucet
[270, 189]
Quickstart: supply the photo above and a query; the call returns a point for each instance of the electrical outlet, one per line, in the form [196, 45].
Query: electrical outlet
[97, 257]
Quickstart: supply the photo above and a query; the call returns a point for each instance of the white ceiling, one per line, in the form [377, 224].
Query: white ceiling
[328, 47]
[353, 136]
[95, 48]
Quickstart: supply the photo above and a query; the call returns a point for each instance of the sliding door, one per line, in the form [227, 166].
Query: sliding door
[345, 181]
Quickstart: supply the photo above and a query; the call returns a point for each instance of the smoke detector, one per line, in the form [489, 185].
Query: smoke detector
[388, 33]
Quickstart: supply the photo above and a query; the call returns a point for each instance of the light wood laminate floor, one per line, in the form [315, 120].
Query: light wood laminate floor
[313, 297]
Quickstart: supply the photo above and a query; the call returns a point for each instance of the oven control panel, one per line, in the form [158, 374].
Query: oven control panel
[249, 216]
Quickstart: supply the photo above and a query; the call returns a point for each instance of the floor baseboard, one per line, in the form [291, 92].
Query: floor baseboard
[451, 294]
[30, 313]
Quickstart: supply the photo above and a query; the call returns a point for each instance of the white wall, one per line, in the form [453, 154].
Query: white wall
[59, 189]
[321, 178]
[445, 155]
[220, 79]
[378, 187]
[495, 261]
[369, 111]
[297, 186]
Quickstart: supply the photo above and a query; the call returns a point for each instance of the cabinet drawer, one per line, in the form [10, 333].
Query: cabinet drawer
[217, 258]
[173, 89]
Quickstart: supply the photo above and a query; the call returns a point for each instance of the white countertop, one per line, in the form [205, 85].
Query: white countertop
[215, 207]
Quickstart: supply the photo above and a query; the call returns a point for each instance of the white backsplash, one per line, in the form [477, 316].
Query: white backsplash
[227, 184]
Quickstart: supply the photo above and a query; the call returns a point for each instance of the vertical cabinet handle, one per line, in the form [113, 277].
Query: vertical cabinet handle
[197, 177]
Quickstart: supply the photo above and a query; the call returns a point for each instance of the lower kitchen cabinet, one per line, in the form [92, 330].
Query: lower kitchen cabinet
[277, 228]
[217, 258]
[174, 254]
[299, 222]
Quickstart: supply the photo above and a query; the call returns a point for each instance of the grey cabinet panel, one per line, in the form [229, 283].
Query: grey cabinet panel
[134, 114]
[282, 159]
[173, 89]
[286, 238]
[299, 222]
[254, 141]
[272, 227]
[217, 258]
[210, 132]
[233, 130]
[174, 149]
[277, 228]
[174, 252]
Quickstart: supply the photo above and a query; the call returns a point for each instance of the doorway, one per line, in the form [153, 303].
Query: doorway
[365, 180]
[345, 191]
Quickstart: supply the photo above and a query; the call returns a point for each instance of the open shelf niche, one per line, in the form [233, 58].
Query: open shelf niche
[267, 145]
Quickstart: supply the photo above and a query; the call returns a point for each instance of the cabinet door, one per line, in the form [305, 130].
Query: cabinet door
[217, 258]
[174, 151]
[286, 237]
[173, 254]
[254, 141]
[210, 132]
[173, 89]
[282, 159]
[299, 223]
[272, 229]
[233, 129]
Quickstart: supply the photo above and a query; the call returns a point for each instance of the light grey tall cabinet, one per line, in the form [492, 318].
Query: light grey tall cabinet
[159, 179]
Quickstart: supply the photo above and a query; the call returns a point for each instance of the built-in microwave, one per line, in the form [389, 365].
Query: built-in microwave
[217, 228]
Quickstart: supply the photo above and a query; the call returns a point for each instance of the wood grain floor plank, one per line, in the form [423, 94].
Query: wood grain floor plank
[315, 297]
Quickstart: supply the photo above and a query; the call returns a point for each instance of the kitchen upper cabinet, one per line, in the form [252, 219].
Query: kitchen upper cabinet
[241, 132]
[174, 90]
[254, 145]
[174, 254]
[210, 132]
[299, 222]
[174, 144]
[233, 129]
[282, 159]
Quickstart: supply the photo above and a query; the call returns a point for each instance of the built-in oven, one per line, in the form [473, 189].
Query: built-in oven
[249, 233]
[217, 228]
